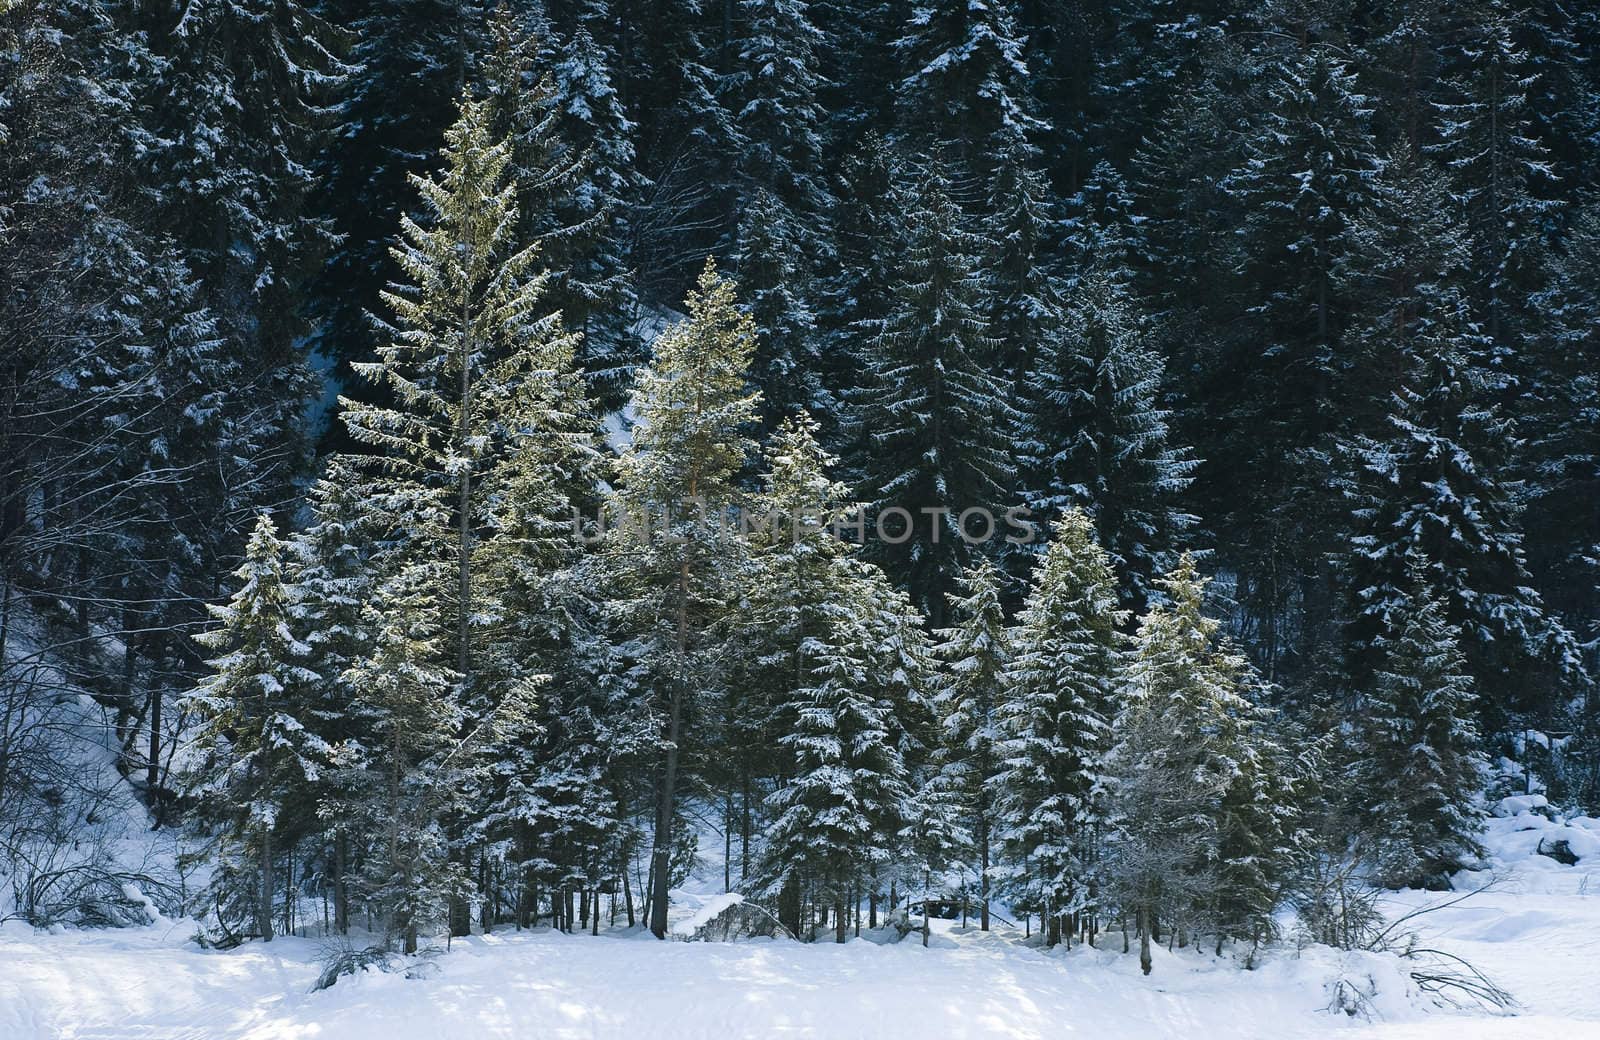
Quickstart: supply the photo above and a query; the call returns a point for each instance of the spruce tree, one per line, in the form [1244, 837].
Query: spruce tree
[1200, 831]
[1056, 704]
[933, 416]
[471, 362]
[1023, 298]
[1421, 770]
[965, 82]
[256, 745]
[243, 104]
[480, 375]
[1561, 427]
[337, 569]
[777, 118]
[858, 290]
[794, 567]
[1429, 488]
[774, 266]
[399, 778]
[1098, 438]
[976, 653]
[1280, 381]
[693, 406]
[1501, 174]
[840, 811]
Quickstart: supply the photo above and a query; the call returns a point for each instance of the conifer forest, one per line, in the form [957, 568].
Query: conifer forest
[1094, 488]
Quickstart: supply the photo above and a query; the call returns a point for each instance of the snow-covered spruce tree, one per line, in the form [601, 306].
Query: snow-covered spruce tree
[1054, 714]
[857, 293]
[1561, 425]
[1098, 438]
[399, 778]
[838, 813]
[976, 652]
[543, 794]
[777, 118]
[933, 418]
[254, 745]
[966, 83]
[933, 843]
[782, 238]
[1199, 831]
[1282, 384]
[936, 842]
[572, 161]
[1023, 300]
[472, 365]
[242, 105]
[1500, 172]
[775, 270]
[794, 558]
[1428, 488]
[671, 567]
[337, 569]
[1405, 266]
[476, 370]
[597, 290]
[1104, 229]
[1421, 772]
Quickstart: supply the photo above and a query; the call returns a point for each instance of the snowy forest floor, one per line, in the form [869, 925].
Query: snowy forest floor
[1536, 931]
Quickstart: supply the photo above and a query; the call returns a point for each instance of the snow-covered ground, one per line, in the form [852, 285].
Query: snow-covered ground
[1536, 931]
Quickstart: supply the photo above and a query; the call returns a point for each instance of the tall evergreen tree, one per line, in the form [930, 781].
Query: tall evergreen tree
[1054, 717]
[1421, 768]
[1199, 831]
[1098, 437]
[1501, 173]
[847, 792]
[776, 268]
[694, 405]
[966, 83]
[977, 652]
[1280, 383]
[402, 776]
[934, 418]
[478, 375]
[1429, 489]
[242, 106]
[256, 745]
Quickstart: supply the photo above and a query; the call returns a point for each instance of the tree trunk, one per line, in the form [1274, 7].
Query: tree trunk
[983, 861]
[152, 773]
[341, 889]
[661, 853]
[744, 827]
[790, 912]
[927, 918]
[264, 897]
[1144, 938]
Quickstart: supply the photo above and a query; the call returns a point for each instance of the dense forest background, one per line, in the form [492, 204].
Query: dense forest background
[1309, 290]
